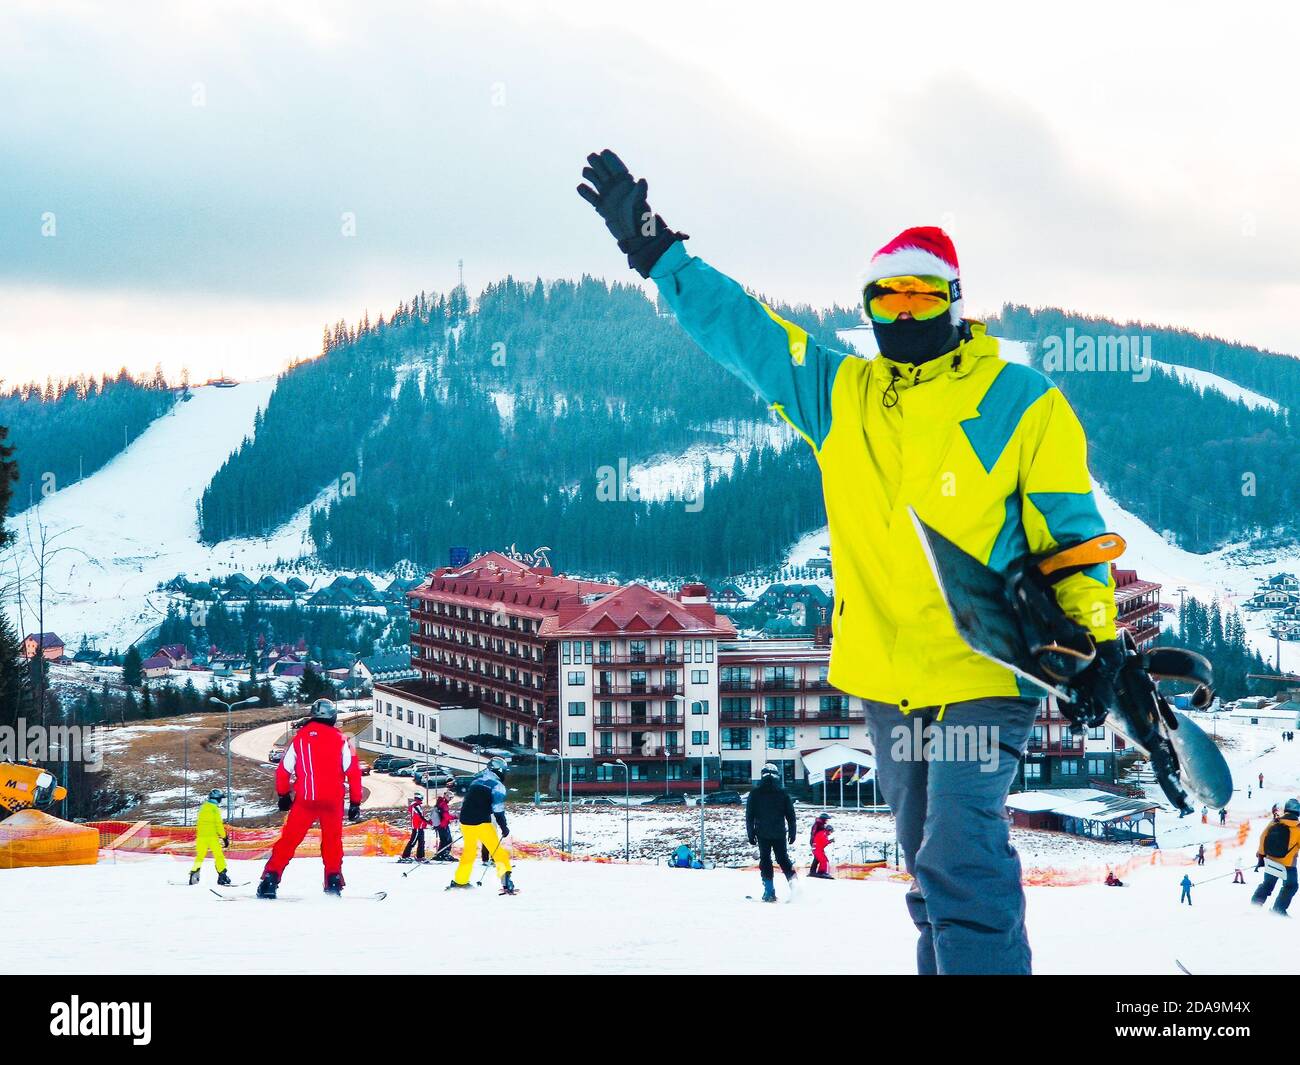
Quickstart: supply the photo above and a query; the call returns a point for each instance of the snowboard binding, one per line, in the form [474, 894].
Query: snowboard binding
[1014, 619]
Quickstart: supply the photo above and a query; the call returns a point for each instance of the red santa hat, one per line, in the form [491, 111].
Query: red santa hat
[920, 251]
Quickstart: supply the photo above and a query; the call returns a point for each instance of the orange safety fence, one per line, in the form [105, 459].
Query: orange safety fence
[34, 838]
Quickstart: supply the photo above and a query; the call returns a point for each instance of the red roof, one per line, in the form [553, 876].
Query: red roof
[156, 662]
[45, 639]
[496, 578]
[637, 608]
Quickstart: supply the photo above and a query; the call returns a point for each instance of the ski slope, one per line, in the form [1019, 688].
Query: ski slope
[133, 524]
[1207, 381]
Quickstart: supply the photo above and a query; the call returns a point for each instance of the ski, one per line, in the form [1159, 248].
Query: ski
[186, 883]
[1014, 620]
[1184, 968]
[377, 896]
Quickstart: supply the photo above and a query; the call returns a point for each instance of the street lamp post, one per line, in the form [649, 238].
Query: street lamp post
[537, 761]
[703, 748]
[560, 784]
[250, 701]
[763, 715]
[627, 806]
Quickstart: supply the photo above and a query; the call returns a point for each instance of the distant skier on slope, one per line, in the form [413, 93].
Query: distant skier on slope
[210, 835]
[822, 839]
[485, 802]
[770, 825]
[1186, 896]
[892, 433]
[1279, 844]
[442, 818]
[419, 822]
[310, 780]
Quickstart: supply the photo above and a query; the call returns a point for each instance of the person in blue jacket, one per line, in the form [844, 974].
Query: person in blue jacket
[1187, 891]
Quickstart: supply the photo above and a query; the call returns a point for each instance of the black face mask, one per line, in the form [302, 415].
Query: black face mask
[909, 340]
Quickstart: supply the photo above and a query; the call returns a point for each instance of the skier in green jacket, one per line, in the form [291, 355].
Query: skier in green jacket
[210, 835]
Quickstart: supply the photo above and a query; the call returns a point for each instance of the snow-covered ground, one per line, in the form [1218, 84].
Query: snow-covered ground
[584, 917]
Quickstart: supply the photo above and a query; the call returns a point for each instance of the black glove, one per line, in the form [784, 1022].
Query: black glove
[501, 824]
[354, 812]
[621, 201]
[1259, 865]
[753, 842]
[1096, 686]
[225, 841]
[790, 838]
[286, 800]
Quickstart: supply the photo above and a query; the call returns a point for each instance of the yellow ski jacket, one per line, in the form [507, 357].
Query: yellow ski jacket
[988, 452]
[209, 825]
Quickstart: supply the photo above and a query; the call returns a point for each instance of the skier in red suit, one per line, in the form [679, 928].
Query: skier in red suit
[310, 782]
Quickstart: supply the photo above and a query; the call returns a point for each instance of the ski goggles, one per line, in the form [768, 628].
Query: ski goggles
[922, 298]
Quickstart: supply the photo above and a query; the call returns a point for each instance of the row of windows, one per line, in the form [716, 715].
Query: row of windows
[410, 716]
[474, 639]
[497, 617]
[698, 738]
[578, 677]
[781, 705]
[394, 740]
[591, 652]
[1068, 767]
[699, 708]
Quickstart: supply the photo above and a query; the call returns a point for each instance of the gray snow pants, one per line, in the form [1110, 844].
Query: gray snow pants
[947, 783]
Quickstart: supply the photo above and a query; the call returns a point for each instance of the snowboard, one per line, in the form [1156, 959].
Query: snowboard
[1184, 759]
[377, 896]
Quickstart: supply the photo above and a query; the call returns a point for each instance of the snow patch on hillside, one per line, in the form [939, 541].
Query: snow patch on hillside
[1207, 381]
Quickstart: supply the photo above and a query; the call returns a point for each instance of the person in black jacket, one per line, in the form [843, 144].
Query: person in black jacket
[769, 823]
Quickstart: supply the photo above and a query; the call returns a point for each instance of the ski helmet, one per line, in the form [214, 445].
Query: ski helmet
[416, 798]
[497, 765]
[770, 770]
[216, 795]
[1292, 807]
[324, 710]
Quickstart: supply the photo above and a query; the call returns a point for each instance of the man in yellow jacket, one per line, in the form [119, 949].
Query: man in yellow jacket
[210, 835]
[989, 453]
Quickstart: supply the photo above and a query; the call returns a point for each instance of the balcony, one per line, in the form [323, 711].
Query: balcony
[637, 691]
[615, 786]
[638, 754]
[632, 661]
[792, 684]
[792, 718]
[631, 721]
[1059, 747]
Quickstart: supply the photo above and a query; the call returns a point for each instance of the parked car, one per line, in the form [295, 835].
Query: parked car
[365, 769]
[395, 767]
[384, 762]
[722, 798]
[276, 755]
[461, 784]
[667, 800]
[598, 801]
[432, 778]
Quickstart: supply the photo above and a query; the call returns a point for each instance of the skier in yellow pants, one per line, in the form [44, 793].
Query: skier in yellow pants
[210, 835]
[485, 801]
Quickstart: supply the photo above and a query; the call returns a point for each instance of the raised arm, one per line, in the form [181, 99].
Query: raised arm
[776, 358]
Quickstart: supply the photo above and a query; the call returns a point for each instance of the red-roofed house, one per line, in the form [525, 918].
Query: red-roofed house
[155, 667]
[177, 654]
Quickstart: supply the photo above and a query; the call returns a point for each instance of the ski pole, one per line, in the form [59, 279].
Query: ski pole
[491, 856]
[408, 872]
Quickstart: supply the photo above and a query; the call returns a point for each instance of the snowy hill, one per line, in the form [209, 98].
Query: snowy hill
[132, 524]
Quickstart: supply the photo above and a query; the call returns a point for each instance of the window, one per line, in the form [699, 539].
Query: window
[708, 650]
[1033, 771]
[699, 676]
[700, 707]
[565, 653]
[833, 732]
[577, 677]
[737, 772]
[606, 711]
[1098, 733]
[674, 770]
[1097, 767]
[670, 650]
[780, 706]
[699, 738]
[829, 705]
[735, 739]
[636, 650]
[577, 739]
[1070, 767]
[780, 739]
[672, 741]
[606, 650]
[577, 709]
[586, 652]
[605, 772]
[735, 709]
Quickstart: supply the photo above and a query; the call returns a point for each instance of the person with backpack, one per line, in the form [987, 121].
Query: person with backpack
[442, 819]
[822, 840]
[485, 802]
[1278, 845]
[210, 835]
[770, 825]
[419, 822]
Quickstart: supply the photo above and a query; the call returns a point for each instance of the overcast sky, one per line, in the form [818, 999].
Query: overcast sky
[174, 176]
